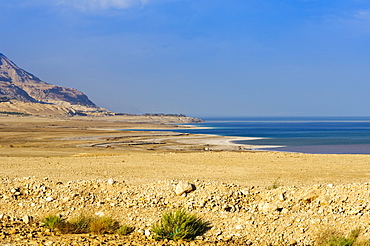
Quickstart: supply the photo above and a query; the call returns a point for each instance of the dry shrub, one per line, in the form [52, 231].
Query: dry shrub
[125, 230]
[84, 223]
[362, 242]
[334, 238]
[65, 227]
[103, 225]
[81, 223]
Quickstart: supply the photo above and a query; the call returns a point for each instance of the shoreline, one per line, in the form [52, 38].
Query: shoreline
[86, 142]
[230, 141]
[291, 145]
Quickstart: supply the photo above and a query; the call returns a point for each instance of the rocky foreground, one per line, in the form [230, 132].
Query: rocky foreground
[237, 215]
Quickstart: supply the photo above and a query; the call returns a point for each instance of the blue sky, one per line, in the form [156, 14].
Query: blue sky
[199, 57]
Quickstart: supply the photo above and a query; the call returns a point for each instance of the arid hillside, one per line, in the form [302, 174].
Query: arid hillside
[23, 92]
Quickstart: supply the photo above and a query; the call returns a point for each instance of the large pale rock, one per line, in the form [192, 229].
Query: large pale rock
[311, 195]
[27, 219]
[268, 207]
[183, 187]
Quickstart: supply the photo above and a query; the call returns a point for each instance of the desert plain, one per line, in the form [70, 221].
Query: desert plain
[74, 148]
[265, 187]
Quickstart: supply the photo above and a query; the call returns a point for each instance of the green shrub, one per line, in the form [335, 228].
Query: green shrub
[125, 230]
[52, 221]
[178, 225]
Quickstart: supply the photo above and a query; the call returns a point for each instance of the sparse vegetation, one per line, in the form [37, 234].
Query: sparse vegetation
[362, 243]
[85, 224]
[339, 241]
[333, 238]
[161, 114]
[14, 113]
[125, 230]
[276, 184]
[103, 225]
[5, 99]
[52, 221]
[81, 223]
[178, 225]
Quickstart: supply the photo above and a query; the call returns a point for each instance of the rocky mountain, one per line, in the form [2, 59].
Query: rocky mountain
[22, 92]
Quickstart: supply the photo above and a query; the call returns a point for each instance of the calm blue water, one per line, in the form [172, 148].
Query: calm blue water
[325, 135]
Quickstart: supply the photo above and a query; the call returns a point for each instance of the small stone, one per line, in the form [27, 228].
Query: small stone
[220, 238]
[14, 190]
[239, 227]
[227, 238]
[199, 238]
[292, 242]
[268, 207]
[111, 181]
[282, 196]
[100, 213]
[147, 233]
[183, 187]
[311, 195]
[27, 219]
[245, 191]
[49, 199]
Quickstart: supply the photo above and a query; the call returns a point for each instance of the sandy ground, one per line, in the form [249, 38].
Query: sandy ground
[89, 148]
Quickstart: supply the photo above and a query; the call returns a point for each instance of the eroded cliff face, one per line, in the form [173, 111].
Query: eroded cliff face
[18, 86]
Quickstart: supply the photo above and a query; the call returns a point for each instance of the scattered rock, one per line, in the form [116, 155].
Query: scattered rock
[49, 199]
[27, 219]
[268, 207]
[239, 227]
[237, 215]
[111, 181]
[183, 187]
[147, 233]
[311, 195]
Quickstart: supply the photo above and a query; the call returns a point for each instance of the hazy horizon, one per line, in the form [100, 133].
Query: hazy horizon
[215, 58]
